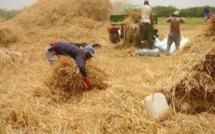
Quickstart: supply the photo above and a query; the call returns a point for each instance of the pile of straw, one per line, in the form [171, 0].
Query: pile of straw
[131, 29]
[194, 93]
[66, 80]
[192, 86]
[210, 26]
[209, 64]
[46, 20]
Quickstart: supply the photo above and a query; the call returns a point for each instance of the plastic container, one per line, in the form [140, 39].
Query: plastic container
[148, 52]
[156, 105]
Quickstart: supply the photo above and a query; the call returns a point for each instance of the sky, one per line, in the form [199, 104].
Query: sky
[20, 4]
[15, 4]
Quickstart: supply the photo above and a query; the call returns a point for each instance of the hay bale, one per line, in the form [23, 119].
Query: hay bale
[66, 80]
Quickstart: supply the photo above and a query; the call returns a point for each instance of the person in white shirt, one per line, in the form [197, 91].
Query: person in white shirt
[145, 23]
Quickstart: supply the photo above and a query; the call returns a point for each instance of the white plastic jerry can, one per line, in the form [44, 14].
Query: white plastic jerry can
[156, 104]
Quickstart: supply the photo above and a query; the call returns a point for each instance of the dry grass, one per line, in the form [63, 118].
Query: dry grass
[65, 81]
[131, 29]
[192, 86]
[27, 105]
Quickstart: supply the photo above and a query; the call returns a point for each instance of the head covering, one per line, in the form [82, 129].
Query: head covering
[206, 9]
[146, 2]
[177, 13]
[90, 49]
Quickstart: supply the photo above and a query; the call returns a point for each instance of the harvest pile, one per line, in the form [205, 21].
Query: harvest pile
[39, 98]
[192, 83]
[66, 82]
[47, 22]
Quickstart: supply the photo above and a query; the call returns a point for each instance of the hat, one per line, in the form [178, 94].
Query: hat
[177, 13]
[146, 2]
[89, 49]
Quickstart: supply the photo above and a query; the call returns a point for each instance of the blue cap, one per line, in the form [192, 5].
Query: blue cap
[89, 49]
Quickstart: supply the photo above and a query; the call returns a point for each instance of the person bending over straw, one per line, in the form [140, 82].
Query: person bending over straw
[56, 49]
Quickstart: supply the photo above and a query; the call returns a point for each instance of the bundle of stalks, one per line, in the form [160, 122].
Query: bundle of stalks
[131, 28]
[209, 64]
[210, 31]
[97, 77]
[193, 82]
[194, 93]
[66, 80]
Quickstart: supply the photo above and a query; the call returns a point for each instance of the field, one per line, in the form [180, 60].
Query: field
[189, 21]
[28, 105]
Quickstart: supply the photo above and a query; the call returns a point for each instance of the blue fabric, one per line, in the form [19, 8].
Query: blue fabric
[208, 15]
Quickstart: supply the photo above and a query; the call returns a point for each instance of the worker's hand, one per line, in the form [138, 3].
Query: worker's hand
[86, 83]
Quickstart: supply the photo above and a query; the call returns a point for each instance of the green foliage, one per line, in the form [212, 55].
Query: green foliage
[163, 11]
[8, 14]
[194, 11]
[188, 21]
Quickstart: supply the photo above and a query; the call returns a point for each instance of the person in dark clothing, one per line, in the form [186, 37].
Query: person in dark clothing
[79, 55]
[207, 13]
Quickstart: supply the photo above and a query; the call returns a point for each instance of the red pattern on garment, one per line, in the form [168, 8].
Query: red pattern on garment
[53, 45]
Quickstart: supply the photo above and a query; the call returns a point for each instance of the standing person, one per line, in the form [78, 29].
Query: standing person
[174, 35]
[207, 13]
[145, 22]
[79, 55]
